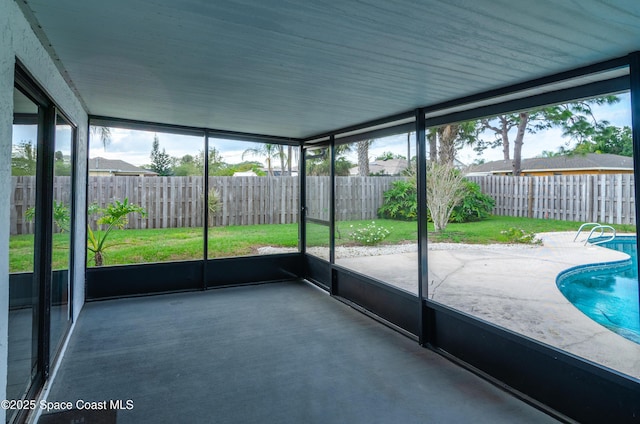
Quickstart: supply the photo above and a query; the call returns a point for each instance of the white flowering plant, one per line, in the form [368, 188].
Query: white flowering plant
[368, 235]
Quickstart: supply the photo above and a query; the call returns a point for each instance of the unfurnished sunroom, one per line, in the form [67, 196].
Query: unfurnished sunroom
[269, 139]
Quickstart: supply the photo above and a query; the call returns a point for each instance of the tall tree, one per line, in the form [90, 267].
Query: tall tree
[283, 158]
[160, 160]
[217, 165]
[265, 150]
[576, 119]
[104, 133]
[363, 157]
[609, 139]
[289, 157]
[432, 139]
[186, 165]
[444, 141]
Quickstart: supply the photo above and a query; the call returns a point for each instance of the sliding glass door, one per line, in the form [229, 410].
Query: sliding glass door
[40, 246]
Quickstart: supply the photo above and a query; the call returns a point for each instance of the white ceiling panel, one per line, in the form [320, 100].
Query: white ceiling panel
[299, 68]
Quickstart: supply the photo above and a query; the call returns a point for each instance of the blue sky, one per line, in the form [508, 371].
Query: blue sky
[135, 146]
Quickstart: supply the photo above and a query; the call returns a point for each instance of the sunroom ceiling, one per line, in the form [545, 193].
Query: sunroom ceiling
[298, 68]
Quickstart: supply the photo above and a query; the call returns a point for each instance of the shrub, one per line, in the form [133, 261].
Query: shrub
[61, 216]
[445, 189]
[400, 201]
[214, 202]
[369, 235]
[518, 235]
[115, 215]
[475, 205]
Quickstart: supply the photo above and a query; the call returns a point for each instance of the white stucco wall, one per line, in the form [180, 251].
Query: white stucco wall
[6, 116]
[18, 40]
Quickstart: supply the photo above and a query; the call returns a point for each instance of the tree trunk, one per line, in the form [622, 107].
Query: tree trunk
[289, 154]
[504, 125]
[282, 155]
[97, 259]
[517, 143]
[448, 135]
[363, 157]
[269, 167]
[433, 146]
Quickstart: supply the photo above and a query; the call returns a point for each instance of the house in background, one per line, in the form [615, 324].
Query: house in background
[101, 167]
[590, 163]
[384, 167]
[393, 167]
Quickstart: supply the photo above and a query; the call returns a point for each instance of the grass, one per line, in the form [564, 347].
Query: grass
[177, 244]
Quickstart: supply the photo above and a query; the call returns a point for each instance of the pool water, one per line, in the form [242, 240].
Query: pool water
[608, 293]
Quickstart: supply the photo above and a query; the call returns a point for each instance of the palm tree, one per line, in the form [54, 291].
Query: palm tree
[283, 157]
[266, 150]
[363, 157]
[104, 133]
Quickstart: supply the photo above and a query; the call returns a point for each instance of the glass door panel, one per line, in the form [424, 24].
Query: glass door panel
[23, 299]
[318, 183]
[61, 248]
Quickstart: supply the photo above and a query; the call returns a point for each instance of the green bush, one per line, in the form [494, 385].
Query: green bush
[369, 235]
[474, 206]
[400, 201]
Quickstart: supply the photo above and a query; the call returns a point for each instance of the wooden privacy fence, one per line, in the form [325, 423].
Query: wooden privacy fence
[177, 202]
[607, 198]
[356, 197]
[174, 202]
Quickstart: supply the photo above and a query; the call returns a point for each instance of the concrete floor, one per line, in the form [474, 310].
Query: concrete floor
[282, 352]
[516, 289]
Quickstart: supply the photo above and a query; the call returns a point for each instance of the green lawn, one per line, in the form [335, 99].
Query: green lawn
[176, 244]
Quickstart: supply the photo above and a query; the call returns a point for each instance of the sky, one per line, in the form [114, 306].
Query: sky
[135, 146]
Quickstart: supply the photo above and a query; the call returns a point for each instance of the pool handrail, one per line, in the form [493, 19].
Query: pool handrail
[601, 228]
[596, 224]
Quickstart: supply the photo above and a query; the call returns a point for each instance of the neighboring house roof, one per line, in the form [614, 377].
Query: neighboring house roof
[393, 167]
[117, 167]
[586, 162]
[388, 167]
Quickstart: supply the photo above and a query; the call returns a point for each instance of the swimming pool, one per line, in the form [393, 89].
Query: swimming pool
[608, 293]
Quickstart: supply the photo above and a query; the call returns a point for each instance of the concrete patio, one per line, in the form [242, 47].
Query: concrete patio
[515, 288]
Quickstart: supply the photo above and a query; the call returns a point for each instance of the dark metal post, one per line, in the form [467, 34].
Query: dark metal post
[421, 168]
[74, 217]
[86, 204]
[205, 249]
[43, 232]
[634, 75]
[332, 211]
[302, 178]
